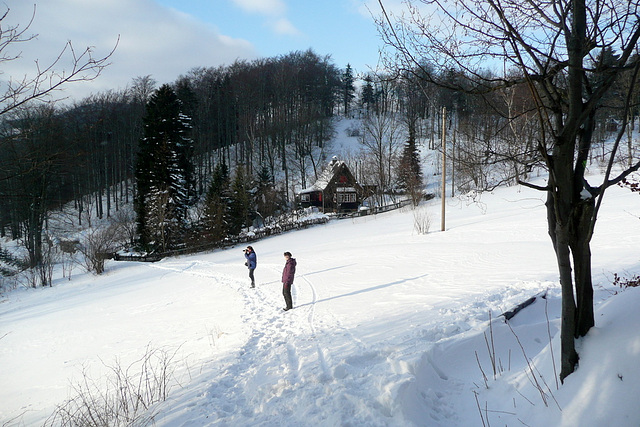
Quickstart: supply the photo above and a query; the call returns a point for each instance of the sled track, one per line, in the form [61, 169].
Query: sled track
[313, 304]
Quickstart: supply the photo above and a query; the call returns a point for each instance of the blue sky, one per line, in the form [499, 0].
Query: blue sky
[342, 28]
[166, 38]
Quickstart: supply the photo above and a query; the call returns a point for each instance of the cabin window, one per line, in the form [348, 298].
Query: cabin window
[305, 197]
[346, 197]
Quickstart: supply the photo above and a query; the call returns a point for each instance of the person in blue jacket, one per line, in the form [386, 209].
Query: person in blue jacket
[252, 263]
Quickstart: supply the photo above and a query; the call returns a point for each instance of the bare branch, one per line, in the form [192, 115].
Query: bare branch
[533, 186]
[47, 79]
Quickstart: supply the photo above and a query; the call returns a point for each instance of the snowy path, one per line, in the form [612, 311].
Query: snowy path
[282, 358]
[281, 349]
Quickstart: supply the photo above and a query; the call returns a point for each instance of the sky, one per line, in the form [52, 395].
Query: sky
[167, 38]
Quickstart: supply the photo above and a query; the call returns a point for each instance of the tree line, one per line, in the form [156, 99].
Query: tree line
[83, 162]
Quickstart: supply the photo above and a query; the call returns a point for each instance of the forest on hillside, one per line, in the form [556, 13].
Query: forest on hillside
[155, 167]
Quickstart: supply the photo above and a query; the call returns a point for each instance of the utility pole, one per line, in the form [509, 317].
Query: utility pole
[443, 189]
[453, 157]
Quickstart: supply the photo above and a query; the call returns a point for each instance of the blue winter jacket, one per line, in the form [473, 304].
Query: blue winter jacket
[252, 260]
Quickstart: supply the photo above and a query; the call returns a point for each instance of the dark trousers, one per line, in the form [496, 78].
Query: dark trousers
[253, 282]
[286, 291]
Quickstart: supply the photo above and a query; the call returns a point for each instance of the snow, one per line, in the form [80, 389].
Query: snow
[390, 327]
[585, 194]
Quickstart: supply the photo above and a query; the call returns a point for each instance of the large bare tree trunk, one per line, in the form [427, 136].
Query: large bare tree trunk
[571, 240]
[571, 217]
[581, 251]
[560, 238]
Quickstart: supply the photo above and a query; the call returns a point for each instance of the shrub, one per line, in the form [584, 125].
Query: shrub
[124, 398]
[625, 282]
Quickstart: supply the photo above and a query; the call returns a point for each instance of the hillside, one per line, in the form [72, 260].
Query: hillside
[390, 327]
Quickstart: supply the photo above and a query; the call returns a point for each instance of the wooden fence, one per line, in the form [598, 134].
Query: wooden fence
[380, 209]
[271, 230]
[375, 210]
[228, 242]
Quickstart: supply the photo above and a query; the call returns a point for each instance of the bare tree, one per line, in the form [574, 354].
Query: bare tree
[381, 139]
[99, 242]
[47, 78]
[569, 54]
[31, 167]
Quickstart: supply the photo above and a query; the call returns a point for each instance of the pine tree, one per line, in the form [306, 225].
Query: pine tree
[348, 89]
[217, 204]
[163, 172]
[240, 202]
[10, 264]
[368, 99]
[188, 106]
[267, 199]
[410, 174]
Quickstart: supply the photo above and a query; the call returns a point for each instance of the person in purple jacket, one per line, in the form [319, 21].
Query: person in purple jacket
[287, 279]
[251, 263]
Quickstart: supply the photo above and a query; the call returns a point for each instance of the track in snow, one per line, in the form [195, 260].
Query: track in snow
[282, 355]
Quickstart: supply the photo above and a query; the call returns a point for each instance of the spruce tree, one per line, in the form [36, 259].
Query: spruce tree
[267, 200]
[10, 265]
[348, 89]
[188, 107]
[240, 202]
[410, 174]
[163, 172]
[368, 99]
[217, 204]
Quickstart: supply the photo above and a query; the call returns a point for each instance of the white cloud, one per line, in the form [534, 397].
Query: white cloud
[275, 11]
[153, 40]
[284, 27]
[263, 7]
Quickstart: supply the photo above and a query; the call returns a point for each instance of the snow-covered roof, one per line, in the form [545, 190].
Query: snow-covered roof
[325, 177]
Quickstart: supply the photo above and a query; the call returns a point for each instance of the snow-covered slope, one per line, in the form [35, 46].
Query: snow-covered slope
[390, 327]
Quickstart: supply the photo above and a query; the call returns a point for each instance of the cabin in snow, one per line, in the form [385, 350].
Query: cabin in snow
[336, 190]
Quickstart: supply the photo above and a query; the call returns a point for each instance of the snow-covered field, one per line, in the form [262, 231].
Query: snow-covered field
[390, 327]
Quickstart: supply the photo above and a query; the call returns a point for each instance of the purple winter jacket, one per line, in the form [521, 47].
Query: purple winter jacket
[289, 271]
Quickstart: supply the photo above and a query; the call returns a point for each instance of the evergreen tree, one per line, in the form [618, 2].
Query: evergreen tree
[10, 265]
[267, 199]
[188, 107]
[163, 172]
[240, 202]
[217, 204]
[348, 89]
[410, 174]
[368, 99]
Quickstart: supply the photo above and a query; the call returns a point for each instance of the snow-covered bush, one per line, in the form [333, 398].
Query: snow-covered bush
[421, 220]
